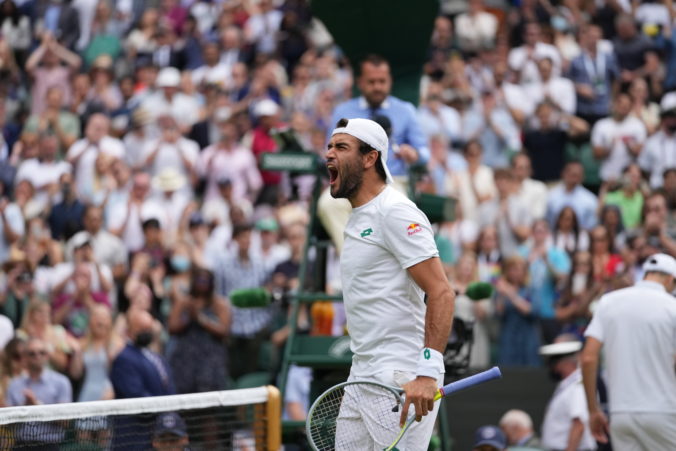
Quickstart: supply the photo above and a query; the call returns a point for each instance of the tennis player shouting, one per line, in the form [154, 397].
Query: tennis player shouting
[388, 263]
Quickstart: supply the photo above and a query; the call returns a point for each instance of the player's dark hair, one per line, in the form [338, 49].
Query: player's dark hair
[364, 149]
[342, 123]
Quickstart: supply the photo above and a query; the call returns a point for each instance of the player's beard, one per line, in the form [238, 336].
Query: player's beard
[351, 179]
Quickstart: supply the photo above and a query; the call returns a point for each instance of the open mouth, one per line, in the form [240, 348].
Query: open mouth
[333, 174]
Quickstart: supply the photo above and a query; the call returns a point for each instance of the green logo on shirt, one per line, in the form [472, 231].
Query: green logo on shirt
[366, 232]
[427, 354]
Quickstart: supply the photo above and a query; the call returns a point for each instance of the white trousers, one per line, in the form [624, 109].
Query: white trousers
[360, 427]
[643, 431]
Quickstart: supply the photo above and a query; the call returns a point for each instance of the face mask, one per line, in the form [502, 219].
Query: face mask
[579, 283]
[144, 338]
[180, 263]
[65, 188]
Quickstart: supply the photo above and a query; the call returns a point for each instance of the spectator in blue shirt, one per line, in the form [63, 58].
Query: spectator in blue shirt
[39, 385]
[571, 193]
[547, 266]
[408, 144]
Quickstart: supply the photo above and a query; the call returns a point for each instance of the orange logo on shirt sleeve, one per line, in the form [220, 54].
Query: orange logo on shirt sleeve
[413, 228]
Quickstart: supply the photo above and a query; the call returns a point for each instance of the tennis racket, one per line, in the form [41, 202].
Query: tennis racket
[381, 403]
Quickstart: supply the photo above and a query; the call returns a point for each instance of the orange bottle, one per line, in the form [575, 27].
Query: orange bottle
[322, 318]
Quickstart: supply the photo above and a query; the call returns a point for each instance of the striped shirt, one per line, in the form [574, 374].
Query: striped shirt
[232, 274]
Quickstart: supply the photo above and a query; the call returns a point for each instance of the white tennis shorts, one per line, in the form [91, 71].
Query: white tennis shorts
[359, 427]
[643, 431]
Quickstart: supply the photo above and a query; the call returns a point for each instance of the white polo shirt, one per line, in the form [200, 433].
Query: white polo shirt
[568, 403]
[385, 309]
[611, 134]
[637, 326]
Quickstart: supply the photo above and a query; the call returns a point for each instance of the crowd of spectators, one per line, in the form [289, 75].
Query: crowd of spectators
[130, 178]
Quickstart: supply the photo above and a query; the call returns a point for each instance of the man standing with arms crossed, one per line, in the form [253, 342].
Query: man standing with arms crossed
[388, 264]
[637, 327]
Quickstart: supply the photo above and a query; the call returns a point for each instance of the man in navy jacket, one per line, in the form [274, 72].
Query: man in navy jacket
[138, 372]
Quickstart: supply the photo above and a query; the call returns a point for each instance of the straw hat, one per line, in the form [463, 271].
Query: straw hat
[16, 257]
[103, 62]
[169, 180]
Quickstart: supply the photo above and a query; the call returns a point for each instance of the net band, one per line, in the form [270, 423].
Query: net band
[53, 412]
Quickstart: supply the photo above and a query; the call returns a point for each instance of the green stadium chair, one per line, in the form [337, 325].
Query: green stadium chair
[252, 380]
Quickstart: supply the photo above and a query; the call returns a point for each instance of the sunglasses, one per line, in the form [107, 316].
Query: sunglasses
[36, 353]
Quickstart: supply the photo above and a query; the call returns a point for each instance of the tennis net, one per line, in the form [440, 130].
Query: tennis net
[239, 420]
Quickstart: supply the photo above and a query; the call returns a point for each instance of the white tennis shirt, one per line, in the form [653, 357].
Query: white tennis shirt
[385, 308]
[637, 326]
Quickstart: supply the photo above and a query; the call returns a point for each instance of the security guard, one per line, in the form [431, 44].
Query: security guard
[636, 326]
[565, 426]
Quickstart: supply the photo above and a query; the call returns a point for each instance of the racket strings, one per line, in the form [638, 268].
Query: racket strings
[340, 421]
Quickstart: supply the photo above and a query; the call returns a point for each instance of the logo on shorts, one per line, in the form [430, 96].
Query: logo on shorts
[366, 232]
[414, 228]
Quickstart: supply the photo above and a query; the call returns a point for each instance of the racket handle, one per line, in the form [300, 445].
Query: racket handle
[479, 378]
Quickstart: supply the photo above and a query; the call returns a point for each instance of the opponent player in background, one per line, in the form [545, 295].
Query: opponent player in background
[388, 264]
[636, 327]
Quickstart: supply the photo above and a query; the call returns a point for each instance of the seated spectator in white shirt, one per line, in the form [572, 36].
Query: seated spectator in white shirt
[44, 171]
[172, 203]
[558, 90]
[135, 140]
[507, 212]
[618, 140]
[510, 95]
[12, 224]
[476, 29]
[83, 154]
[532, 192]
[213, 71]
[169, 100]
[108, 248]
[522, 60]
[659, 153]
[171, 150]
[474, 185]
[124, 219]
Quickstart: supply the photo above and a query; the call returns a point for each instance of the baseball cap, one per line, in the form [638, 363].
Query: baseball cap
[169, 77]
[80, 239]
[561, 349]
[372, 134]
[196, 219]
[170, 423]
[267, 225]
[266, 107]
[660, 263]
[490, 435]
[668, 104]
